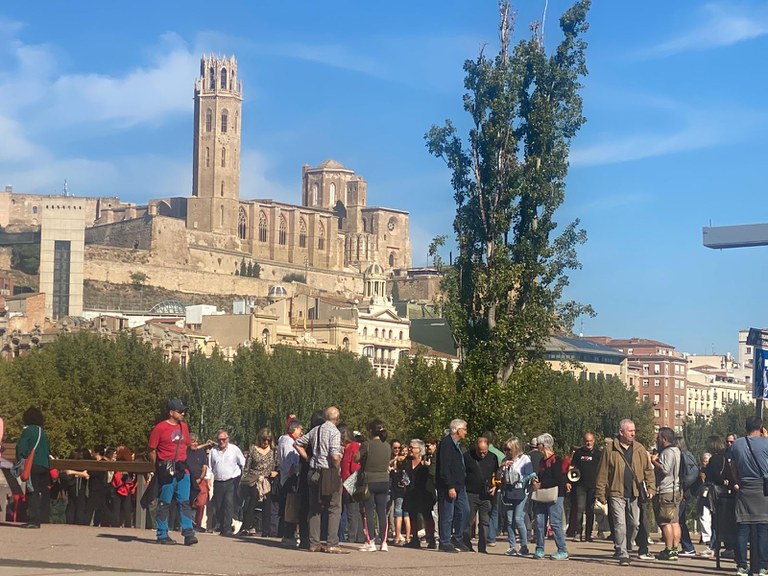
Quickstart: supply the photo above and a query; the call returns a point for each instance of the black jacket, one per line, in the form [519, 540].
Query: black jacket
[479, 472]
[450, 465]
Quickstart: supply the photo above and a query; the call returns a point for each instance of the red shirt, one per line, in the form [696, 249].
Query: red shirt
[164, 438]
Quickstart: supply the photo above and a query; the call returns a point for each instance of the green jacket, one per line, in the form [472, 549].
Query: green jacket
[27, 442]
[610, 471]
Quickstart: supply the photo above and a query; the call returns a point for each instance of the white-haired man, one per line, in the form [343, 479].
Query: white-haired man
[452, 502]
[622, 475]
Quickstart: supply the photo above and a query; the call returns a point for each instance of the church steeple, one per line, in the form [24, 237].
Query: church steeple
[216, 157]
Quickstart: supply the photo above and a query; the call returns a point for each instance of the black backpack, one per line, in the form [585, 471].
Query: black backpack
[689, 470]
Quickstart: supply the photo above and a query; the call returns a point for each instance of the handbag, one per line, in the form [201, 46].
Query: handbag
[292, 504]
[545, 495]
[23, 467]
[361, 493]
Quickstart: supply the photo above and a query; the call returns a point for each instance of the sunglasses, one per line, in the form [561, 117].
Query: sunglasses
[222, 439]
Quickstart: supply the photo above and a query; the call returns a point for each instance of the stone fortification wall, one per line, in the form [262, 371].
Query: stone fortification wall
[116, 265]
[132, 234]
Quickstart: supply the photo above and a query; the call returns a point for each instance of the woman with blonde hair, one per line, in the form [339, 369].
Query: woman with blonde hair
[517, 469]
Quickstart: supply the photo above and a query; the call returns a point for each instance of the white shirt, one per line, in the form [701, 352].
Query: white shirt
[226, 464]
[287, 458]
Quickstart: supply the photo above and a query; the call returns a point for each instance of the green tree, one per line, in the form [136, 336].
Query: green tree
[26, 258]
[138, 279]
[505, 289]
[210, 391]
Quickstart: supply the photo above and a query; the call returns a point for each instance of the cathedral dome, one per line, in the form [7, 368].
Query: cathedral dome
[374, 270]
[331, 164]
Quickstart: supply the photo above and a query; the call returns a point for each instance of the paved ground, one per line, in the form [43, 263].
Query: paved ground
[58, 550]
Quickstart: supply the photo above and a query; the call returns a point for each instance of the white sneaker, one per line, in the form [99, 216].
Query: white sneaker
[368, 547]
[383, 547]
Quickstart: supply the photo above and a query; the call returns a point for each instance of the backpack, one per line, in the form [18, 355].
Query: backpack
[689, 470]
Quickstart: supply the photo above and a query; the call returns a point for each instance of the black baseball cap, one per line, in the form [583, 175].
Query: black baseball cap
[177, 405]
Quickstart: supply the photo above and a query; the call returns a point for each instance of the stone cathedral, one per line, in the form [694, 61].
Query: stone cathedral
[332, 230]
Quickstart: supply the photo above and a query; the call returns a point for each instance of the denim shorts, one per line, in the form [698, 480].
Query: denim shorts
[399, 508]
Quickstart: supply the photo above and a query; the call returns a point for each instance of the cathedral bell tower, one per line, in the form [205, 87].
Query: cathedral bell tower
[215, 200]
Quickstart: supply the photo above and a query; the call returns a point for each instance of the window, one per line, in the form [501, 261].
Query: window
[332, 193]
[376, 333]
[224, 117]
[61, 277]
[749, 349]
[645, 397]
[656, 369]
[657, 413]
[302, 234]
[221, 214]
[282, 233]
[321, 237]
[262, 227]
[365, 331]
[242, 224]
[34, 209]
[345, 343]
[656, 382]
[315, 195]
[392, 260]
[401, 334]
[207, 157]
[222, 189]
[365, 225]
[265, 337]
[223, 85]
[211, 78]
[223, 157]
[645, 382]
[656, 398]
[208, 120]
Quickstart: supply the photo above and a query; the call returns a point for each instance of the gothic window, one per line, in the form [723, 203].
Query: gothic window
[332, 194]
[392, 260]
[211, 78]
[208, 120]
[321, 237]
[223, 157]
[207, 157]
[265, 337]
[224, 117]
[223, 78]
[345, 343]
[315, 196]
[262, 227]
[282, 232]
[221, 216]
[302, 234]
[242, 224]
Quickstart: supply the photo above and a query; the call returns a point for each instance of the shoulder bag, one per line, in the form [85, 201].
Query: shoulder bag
[643, 493]
[546, 495]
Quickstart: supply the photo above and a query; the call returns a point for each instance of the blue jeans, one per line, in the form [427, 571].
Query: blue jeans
[685, 536]
[554, 512]
[179, 487]
[516, 519]
[742, 537]
[453, 514]
[493, 528]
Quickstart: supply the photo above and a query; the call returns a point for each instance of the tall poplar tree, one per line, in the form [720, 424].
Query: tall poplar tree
[505, 289]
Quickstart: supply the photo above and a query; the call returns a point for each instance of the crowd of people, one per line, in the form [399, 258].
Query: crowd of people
[319, 485]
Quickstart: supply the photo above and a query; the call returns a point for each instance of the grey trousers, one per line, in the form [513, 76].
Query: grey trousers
[626, 521]
[317, 505]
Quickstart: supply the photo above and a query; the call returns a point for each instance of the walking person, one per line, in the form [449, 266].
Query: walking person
[451, 479]
[168, 444]
[226, 462]
[623, 478]
[550, 476]
[518, 470]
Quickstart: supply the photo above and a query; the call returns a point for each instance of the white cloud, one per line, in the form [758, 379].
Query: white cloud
[720, 24]
[255, 182]
[14, 145]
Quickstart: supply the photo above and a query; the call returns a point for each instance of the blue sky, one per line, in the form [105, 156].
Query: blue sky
[101, 95]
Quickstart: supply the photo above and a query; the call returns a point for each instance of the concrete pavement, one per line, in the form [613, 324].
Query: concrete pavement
[59, 550]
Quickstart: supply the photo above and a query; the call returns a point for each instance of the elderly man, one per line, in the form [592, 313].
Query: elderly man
[481, 466]
[226, 462]
[453, 505]
[324, 480]
[289, 465]
[585, 460]
[622, 477]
